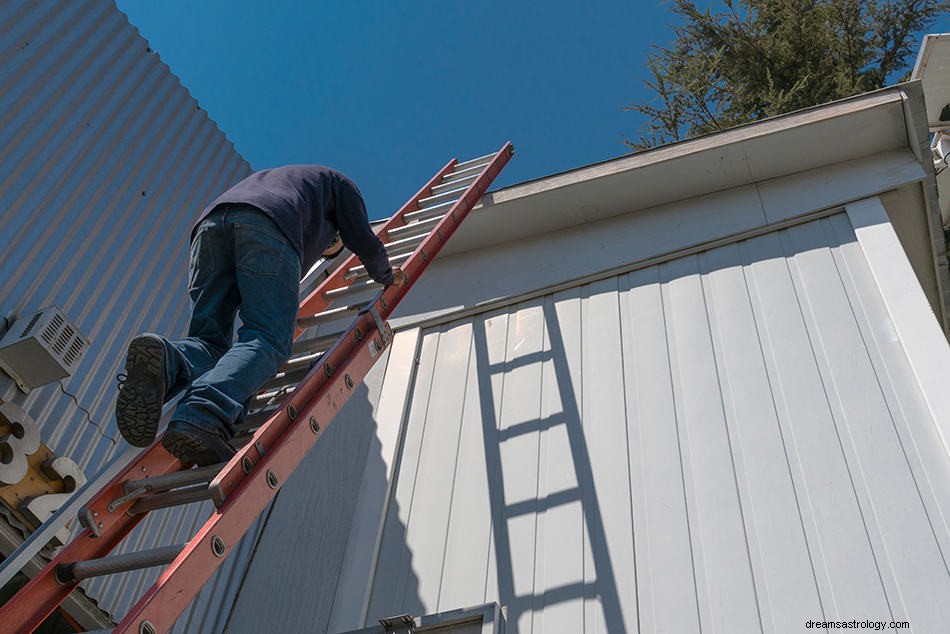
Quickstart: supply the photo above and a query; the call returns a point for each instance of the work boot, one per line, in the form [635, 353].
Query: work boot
[138, 408]
[194, 445]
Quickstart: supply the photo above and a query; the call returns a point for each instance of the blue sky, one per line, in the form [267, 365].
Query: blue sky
[389, 91]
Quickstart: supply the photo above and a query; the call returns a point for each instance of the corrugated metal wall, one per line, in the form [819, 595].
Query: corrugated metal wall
[104, 160]
[731, 441]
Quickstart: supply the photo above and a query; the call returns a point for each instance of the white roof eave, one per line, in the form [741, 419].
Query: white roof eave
[853, 128]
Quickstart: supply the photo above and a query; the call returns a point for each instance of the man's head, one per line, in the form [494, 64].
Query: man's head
[333, 249]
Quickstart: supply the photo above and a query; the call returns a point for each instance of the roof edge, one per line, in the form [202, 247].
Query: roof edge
[663, 153]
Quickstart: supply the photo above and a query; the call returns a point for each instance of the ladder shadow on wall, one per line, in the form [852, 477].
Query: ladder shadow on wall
[593, 588]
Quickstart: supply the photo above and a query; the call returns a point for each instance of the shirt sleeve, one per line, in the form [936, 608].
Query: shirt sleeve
[357, 234]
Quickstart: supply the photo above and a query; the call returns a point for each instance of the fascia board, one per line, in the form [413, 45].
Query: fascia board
[798, 142]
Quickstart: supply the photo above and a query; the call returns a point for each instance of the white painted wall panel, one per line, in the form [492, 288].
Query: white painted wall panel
[293, 573]
[393, 570]
[904, 354]
[769, 506]
[717, 531]
[665, 576]
[832, 522]
[730, 441]
[607, 509]
[467, 544]
[435, 490]
[359, 562]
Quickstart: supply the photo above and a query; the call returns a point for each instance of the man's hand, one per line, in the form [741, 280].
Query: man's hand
[399, 278]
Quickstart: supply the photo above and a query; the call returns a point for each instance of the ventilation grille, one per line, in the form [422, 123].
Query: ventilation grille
[46, 349]
[75, 351]
[55, 323]
[29, 326]
[62, 340]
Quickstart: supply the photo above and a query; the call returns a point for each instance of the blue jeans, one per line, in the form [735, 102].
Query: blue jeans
[241, 263]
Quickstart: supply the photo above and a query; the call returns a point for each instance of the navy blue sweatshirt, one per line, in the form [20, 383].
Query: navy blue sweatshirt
[310, 203]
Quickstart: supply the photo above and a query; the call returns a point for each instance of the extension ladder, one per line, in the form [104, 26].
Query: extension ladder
[294, 409]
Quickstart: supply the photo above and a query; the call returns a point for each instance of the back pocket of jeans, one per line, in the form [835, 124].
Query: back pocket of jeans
[257, 251]
[202, 258]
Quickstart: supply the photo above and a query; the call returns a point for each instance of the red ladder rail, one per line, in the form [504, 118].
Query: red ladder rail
[245, 485]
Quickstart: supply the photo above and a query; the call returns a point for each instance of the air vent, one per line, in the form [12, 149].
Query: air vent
[47, 348]
[75, 351]
[52, 327]
[29, 326]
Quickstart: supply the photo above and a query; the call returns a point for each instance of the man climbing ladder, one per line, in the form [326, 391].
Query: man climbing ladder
[248, 250]
[243, 486]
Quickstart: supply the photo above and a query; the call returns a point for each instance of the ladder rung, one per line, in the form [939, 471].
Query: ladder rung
[352, 289]
[79, 570]
[296, 366]
[438, 210]
[176, 497]
[421, 227]
[284, 383]
[329, 315]
[174, 480]
[289, 377]
[244, 434]
[406, 245]
[262, 415]
[432, 201]
[264, 399]
[400, 245]
[483, 160]
[307, 359]
[460, 175]
[358, 272]
[291, 374]
[319, 343]
[455, 183]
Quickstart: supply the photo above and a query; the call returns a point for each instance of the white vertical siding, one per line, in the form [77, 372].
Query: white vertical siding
[729, 441]
[104, 161]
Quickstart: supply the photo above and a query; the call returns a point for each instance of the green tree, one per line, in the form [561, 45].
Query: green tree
[752, 59]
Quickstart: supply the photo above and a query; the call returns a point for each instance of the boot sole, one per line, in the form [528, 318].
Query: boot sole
[138, 408]
[191, 450]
